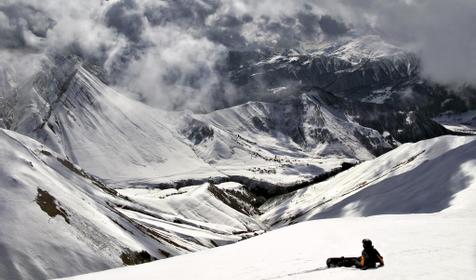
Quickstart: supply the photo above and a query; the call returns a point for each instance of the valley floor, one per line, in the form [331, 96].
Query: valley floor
[414, 246]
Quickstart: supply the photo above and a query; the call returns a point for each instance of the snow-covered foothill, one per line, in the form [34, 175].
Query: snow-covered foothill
[206, 206]
[282, 143]
[417, 205]
[425, 177]
[58, 220]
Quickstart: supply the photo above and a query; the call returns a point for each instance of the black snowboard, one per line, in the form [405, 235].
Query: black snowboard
[342, 261]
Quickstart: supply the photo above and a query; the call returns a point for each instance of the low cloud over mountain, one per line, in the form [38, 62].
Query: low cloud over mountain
[169, 52]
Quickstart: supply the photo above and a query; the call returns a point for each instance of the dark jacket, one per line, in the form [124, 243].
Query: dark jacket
[370, 257]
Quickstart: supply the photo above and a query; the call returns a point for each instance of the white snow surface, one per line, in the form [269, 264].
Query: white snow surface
[30, 240]
[413, 247]
[57, 220]
[417, 203]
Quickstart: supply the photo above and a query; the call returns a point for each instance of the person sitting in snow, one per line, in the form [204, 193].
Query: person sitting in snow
[370, 256]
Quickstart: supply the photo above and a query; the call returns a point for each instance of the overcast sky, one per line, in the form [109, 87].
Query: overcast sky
[168, 49]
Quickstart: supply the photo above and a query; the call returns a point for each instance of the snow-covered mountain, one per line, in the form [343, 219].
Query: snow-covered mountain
[127, 142]
[352, 68]
[80, 122]
[364, 69]
[104, 180]
[416, 203]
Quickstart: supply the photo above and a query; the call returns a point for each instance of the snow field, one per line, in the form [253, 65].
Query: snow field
[424, 246]
[435, 178]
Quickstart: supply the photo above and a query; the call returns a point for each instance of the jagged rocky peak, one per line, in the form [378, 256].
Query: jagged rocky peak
[364, 69]
[194, 130]
[56, 72]
[356, 68]
[63, 80]
[60, 72]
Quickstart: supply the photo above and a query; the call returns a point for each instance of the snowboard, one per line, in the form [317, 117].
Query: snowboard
[342, 261]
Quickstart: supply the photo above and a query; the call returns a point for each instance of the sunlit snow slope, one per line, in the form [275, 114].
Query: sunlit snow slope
[413, 246]
[110, 135]
[417, 204]
[57, 220]
[425, 177]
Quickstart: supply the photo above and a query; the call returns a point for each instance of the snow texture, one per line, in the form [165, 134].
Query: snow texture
[58, 220]
[417, 205]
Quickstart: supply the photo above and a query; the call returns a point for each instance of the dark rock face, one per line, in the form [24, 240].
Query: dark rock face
[270, 77]
[325, 72]
[130, 257]
[197, 131]
[385, 93]
[50, 206]
[404, 126]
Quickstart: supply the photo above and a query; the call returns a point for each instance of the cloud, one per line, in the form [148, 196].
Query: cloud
[331, 26]
[23, 26]
[441, 32]
[170, 52]
[178, 72]
[309, 23]
[125, 19]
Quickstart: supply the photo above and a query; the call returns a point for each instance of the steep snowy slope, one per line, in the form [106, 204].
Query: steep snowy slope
[431, 185]
[424, 177]
[57, 220]
[108, 134]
